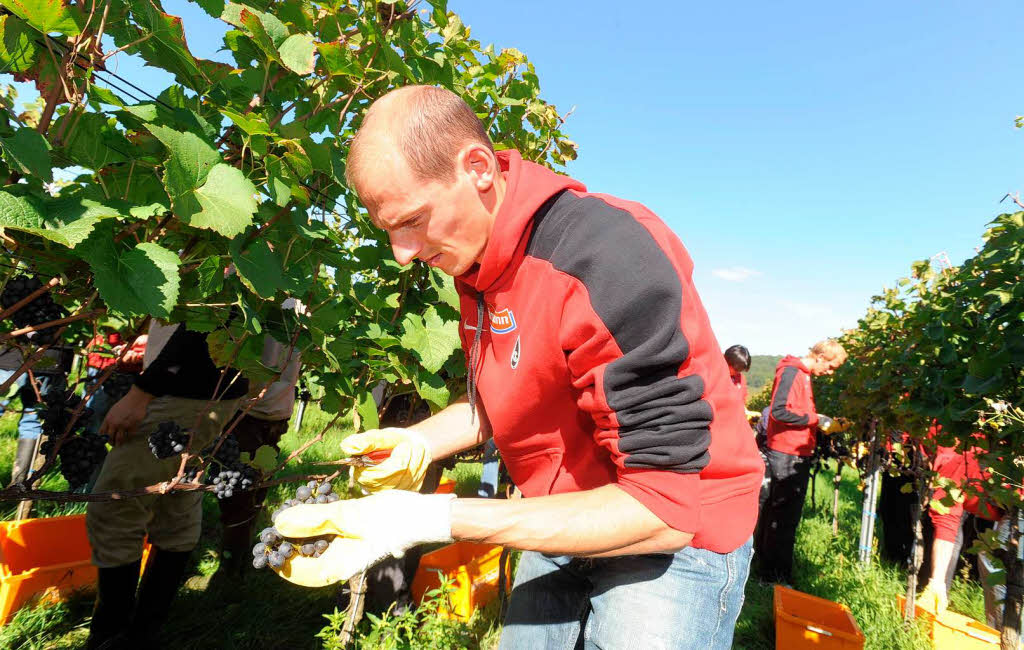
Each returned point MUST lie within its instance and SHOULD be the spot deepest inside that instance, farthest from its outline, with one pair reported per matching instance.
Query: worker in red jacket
(792, 425)
(592, 364)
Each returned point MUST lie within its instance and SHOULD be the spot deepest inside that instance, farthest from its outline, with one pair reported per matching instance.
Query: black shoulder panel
(664, 422)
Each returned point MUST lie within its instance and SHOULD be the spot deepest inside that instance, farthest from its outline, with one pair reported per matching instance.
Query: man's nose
(405, 248)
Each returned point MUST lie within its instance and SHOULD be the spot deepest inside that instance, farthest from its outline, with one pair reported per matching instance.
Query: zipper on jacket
(474, 355)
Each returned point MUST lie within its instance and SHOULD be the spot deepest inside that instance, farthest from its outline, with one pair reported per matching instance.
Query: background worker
(179, 384)
(624, 433)
(738, 358)
(791, 436)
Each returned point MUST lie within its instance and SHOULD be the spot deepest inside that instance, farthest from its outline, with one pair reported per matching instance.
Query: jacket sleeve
(781, 412)
(628, 357)
(161, 375)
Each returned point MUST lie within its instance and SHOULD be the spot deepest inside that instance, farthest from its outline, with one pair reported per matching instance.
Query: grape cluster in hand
(273, 550)
(167, 440)
(41, 310)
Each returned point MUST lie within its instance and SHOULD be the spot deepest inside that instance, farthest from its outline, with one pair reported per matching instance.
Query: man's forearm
(454, 429)
(605, 521)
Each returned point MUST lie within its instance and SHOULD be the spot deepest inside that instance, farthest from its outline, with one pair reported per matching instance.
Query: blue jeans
(4, 376)
(30, 427)
(100, 402)
(489, 473)
(687, 600)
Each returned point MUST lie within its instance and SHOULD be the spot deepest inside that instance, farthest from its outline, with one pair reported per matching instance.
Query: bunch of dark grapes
(80, 455)
(228, 479)
(273, 550)
(41, 310)
(168, 439)
(117, 385)
(59, 406)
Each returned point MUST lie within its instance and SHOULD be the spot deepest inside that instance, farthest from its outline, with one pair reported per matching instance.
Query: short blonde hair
(432, 125)
(830, 349)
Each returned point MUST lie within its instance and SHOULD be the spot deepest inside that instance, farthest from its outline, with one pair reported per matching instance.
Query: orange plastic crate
(473, 570)
(44, 559)
(446, 486)
(951, 631)
(806, 621)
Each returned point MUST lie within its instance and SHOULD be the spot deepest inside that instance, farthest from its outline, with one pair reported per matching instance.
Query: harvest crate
(44, 559)
(473, 570)
(951, 631)
(806, 621)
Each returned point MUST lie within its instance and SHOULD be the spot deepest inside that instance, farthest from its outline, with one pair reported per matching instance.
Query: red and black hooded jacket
(595, 362)
(793, 423)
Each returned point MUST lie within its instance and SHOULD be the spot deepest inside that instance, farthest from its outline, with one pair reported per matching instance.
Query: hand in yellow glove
(369, 530)
(933, 598)
(403, 470)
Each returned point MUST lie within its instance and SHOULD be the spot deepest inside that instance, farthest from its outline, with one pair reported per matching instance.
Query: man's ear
(480, 163)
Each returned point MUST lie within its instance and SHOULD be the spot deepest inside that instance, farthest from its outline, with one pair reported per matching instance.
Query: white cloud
(735, 273)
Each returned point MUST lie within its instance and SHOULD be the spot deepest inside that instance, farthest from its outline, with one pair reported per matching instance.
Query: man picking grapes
(591, 363)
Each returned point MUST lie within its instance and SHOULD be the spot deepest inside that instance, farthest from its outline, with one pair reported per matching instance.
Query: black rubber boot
(23, 457)
(115, 600)
(160, 583)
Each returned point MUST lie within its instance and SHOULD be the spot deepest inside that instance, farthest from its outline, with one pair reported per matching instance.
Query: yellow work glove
(933, 598)
(369, 530)
(403, 470)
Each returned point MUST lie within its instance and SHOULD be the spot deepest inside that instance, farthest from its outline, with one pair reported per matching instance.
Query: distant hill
(762, 371)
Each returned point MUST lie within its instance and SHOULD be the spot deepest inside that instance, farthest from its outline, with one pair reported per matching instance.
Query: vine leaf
(139, 281)
(258, 267)
(431, 339)
(17, 45)
(66, 221)
(47, 16)
(205, 192)
(29, 153)
(227, 201)
(297, 53)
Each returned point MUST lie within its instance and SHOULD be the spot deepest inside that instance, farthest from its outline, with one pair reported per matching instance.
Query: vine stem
(29, 298)
(48, 324)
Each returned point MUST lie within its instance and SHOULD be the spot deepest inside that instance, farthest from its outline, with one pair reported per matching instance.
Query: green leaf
(265, 458)
(213, 7)
(258, 267)
(432, 389)
(136, 282)
(67, 221)
(253, 23)
(252, 124)
(210, 276)
(907, 488)
(105, 96)
(28, 152)
(297, 53)
(190, 161)
(47, 16)
(367, 410)
(17, 45)
(338, 59)
(226, 200)
(429, 338)
(90, 140)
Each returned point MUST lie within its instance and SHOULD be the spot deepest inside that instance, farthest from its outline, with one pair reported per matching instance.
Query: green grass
(266, 612)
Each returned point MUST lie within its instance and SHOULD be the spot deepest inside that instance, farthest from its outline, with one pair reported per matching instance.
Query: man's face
(444, 224)
(825, 366)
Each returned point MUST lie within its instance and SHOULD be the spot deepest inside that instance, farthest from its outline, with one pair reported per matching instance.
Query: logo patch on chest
(503, 321)
(515, 355)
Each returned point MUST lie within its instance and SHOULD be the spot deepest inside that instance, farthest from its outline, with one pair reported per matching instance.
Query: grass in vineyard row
(270, 613)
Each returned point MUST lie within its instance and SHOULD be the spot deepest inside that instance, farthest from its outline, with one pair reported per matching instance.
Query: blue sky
(805, 153)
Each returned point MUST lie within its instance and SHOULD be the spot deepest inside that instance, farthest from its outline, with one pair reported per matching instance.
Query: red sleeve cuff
(672, 497)
(812, 419)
